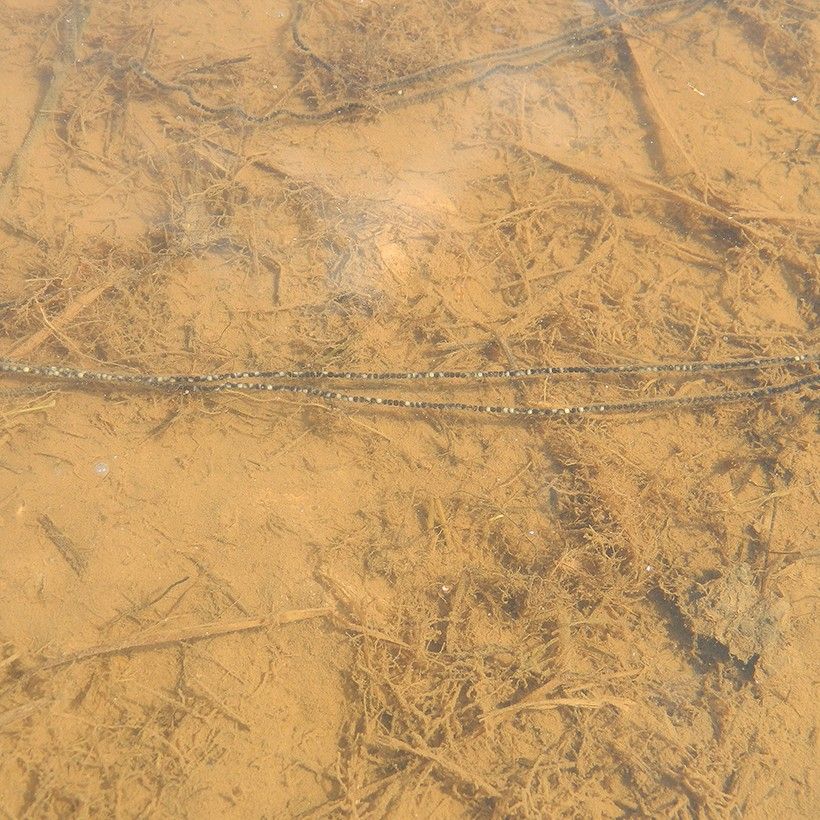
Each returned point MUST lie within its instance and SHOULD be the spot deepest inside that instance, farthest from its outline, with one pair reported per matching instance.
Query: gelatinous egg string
(292, 381)
(390, 93)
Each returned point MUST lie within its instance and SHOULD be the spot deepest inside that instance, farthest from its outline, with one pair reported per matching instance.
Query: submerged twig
(194, 633)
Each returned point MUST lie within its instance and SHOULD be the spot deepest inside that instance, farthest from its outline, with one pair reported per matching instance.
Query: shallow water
(275, 604)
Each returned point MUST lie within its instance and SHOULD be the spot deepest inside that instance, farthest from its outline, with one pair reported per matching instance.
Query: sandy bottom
(273, 606)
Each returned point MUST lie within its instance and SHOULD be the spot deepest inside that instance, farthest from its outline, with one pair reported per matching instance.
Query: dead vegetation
(600, 618)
